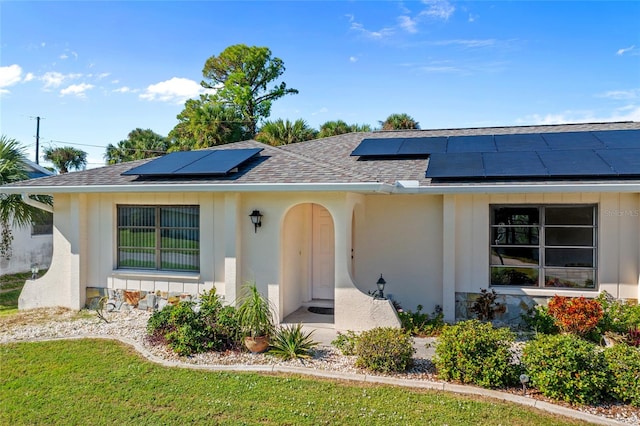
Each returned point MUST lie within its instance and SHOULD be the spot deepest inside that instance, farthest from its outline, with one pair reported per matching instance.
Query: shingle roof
(324, 160)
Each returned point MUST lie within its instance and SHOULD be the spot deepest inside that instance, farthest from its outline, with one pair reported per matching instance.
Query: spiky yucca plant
(290, 342)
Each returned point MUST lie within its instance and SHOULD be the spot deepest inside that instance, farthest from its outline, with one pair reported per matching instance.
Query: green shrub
(476, 352)
(566, 367)
(187, 331)
(290, 342)
(623, 365)
(385, 350)
(346, 342)
(421, 324)
(538, 319)
(618, 316)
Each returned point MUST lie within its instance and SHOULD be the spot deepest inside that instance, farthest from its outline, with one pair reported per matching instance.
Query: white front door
(322, 254)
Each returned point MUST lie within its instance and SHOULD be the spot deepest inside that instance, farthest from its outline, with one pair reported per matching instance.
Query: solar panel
(623, 161)
(520, 142)
(423, 146)
(619, 138)
(168, 163)
(455, 165)
(478, 143)
(378, 147)
(579, 162)
(195, 163)
(572, 140)
(514, 164)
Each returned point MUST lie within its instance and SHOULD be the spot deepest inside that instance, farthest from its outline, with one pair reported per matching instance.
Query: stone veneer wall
(124, 300)
(510, 315)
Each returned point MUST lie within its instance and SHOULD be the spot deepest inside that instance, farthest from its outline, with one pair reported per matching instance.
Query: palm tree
(204, 123)
(12, 208)
(339, 127)
(284, 132)
(399, 122)
(140, 144)
(65, 158)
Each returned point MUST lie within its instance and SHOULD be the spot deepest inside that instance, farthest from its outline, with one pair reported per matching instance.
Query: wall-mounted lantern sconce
(256, 219)
(381, 283)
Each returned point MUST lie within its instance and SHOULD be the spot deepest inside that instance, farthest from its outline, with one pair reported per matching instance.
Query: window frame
(158, 229)
(542, 246)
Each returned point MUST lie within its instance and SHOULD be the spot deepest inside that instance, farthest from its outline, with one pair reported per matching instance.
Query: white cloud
(176, 90)
(626, 113)
(55, 79)
(382, 33)
(64, 56)
(9, 76)
(28, 77)
(78, 90)
(103, 75)
(621, 94)
(353, 59)
(408, 24)
(472, 18)
(123, 89)
(322, 110)
(625, 50)
(465, 43)
(439, 9)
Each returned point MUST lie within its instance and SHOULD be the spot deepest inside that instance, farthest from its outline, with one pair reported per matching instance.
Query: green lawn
(104, 382)
(10, 288)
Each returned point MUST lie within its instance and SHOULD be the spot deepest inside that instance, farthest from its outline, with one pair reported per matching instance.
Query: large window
(159, 237)
(543, 246)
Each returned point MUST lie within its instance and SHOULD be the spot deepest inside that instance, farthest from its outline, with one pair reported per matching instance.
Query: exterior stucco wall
(400, 237)
(26, 251)
(618, 241)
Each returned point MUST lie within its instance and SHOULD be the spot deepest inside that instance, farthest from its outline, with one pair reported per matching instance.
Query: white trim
(156, 275)
(362, 187)
(242, 187)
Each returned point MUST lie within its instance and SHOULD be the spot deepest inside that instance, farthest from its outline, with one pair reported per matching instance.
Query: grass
(104, 382)
(10, 288)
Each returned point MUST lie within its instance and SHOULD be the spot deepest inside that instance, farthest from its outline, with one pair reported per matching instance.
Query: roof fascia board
(519, 188)
(256, 187)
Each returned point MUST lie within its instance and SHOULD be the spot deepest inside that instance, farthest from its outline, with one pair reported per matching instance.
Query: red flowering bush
(575, 315)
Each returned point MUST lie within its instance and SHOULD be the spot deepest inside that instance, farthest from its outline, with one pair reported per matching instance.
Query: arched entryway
(308, 257)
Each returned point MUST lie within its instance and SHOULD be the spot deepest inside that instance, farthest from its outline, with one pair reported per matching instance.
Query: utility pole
(37, 138)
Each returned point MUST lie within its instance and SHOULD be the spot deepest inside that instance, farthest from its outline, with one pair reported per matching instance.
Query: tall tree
(204, 123)
(65, 158)
(240, 76)
(399, 122)
(12, 208)
(140, 144)
(284, 132)
(339, 127)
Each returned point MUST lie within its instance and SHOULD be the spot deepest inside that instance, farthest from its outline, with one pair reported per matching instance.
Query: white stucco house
(529, 211)
(32, 246)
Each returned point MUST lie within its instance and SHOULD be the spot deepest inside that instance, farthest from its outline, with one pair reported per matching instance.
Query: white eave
(366, 187)
(401, 187)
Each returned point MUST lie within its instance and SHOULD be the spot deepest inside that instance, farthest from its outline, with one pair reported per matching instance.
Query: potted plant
(255, 318)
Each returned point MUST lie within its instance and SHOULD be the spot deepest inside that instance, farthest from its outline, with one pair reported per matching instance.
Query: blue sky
(97, 70)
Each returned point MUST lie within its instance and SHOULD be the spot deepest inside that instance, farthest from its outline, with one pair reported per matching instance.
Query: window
(42, 223)
(543, 246)
(159, 237)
